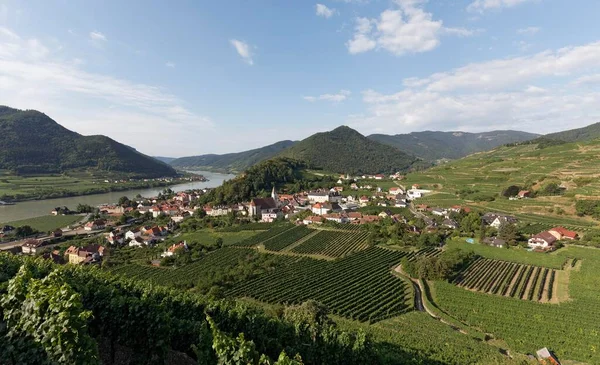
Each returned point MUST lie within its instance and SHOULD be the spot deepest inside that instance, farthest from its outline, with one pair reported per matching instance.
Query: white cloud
(336, 98)
(30, 78)
(483, 5)
(97, 36)
(500, 93)
(529, 30)
(170, 64)
(243, 49)
(324, 11)
(407, 29)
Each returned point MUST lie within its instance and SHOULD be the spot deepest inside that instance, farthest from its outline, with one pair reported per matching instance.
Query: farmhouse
(494, 241)
(503, 219)
(396, 190)
(31, 246)
(544, 240)
(171, 250)
(95, 225)
(439, 212)
(86, 255)
(524, 194)
(450, 223)
(562, 233)
(313, 220)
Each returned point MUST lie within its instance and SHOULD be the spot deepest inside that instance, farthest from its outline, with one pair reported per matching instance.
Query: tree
(25, 231)
(470, 223)
(219, 242)
(508, 232)
(511, 191)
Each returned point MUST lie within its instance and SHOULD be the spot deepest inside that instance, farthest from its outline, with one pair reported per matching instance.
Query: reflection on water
(36, 208)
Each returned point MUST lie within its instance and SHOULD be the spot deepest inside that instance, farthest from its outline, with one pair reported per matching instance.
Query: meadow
(47, 223)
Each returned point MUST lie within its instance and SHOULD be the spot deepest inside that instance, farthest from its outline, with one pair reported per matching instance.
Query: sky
(187, 77)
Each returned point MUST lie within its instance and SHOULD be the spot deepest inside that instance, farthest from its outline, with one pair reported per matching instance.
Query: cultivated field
(47, 223)
(572, 165)
(509, 279)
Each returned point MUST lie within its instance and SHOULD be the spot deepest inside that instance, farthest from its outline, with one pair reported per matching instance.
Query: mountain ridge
(232, 162)
(437, 145)
(344, 150)
(31, 142)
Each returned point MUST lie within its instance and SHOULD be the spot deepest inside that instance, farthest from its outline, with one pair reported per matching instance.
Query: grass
(514, 254)
(47, 223)
(491, 172)
(570, 329)
(19, 188)
(209, 237)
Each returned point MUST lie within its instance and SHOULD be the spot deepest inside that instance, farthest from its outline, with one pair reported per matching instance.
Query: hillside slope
(479, 179)
(32, 143)
(590, 132)
(231, 162)
(433, 145)
(344, 150)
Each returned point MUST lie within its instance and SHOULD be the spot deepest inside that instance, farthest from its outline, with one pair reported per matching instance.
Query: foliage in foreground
(151, 322)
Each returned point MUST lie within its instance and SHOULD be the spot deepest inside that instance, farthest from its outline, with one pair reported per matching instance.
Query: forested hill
(344, 150)
(433, 145)
(588, 133)
(31, 142)
(231, 162)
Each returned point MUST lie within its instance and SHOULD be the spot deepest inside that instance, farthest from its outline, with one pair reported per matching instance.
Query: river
(36, 208)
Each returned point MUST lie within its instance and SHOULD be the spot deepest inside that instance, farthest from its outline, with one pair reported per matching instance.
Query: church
(268, 209)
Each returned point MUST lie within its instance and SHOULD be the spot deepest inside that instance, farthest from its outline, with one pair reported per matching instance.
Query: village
(364, 200)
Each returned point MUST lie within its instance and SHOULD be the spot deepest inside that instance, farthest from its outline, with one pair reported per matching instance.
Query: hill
(576, 135)
(479, 179)
(231, 162)
(433, 145)
(33, 143)
(344, 150)
(164, 159)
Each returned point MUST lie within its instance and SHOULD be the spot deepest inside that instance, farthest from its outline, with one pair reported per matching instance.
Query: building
(132, 234)
(543, 240)
(318, 196)
(396, 190)
(503, 219)
(313, 220)
(524, 194)
(95, 225)
(32, 246)
(87, 254)
(439, 212)
(269, 216)
(494, 241)
(562, 233)
(259, 206)
(174, 247)
(450, 223)
(547, 357)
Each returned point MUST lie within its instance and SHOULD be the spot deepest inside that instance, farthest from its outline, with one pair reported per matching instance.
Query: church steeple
(274, 195)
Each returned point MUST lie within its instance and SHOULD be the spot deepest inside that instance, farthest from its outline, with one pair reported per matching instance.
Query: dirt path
(300, 241)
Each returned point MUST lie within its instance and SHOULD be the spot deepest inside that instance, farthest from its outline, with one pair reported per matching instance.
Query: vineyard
(333, 243)
(264, 236)
(509, 279)
(359, 286)
(185, 276)
(289, 236)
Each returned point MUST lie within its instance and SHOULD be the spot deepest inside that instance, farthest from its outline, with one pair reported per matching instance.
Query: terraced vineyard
(509, 279)
(359, 286)
(333, 243)
(186, 275)
(285, 239)
(264, 236)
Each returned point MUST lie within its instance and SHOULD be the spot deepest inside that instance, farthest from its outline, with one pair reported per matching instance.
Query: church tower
(275, 196)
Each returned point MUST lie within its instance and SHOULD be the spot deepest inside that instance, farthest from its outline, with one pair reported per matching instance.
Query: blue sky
(192, 77)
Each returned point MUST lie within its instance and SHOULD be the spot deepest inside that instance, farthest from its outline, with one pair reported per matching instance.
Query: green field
(572, 165)
(18, 188)
(209, 237)
(570, 329)
(47, 223)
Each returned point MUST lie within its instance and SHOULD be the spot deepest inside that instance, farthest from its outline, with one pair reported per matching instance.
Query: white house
(396, 190)
(269, 216)
(503, 219)
(137, 242)
(544, 240)
(95, 225)
(320, 208)
(31, 246)
(318, 196)
(439, 212)
(132, 234)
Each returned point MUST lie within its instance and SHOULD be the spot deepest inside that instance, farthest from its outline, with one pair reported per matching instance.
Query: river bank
(36, 208)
